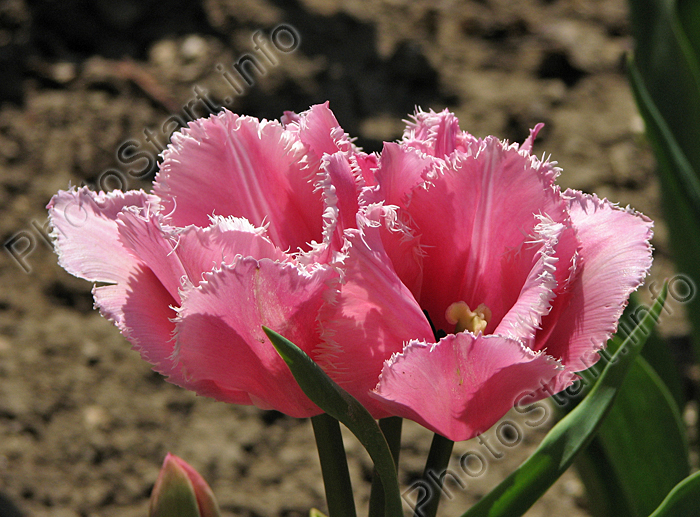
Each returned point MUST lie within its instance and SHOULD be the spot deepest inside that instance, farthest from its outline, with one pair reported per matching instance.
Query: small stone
(194, 47)
(64, 72)
(95, 417)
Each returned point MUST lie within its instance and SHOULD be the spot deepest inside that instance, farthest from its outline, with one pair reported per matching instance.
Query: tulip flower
(479, 283)
(181, 492)
(239, 232)
(443, 280)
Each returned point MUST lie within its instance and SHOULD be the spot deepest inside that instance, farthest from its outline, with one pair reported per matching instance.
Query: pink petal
(530, 141)
(85, 232)
(462, 385)
(201, 250)
(345, 189)
(179, 255)
(142, 235)
(524, 318)
(337, 183)
(568, 262)
(475, 218)
(433, 133)
(318, 129)
(369, 319)
(88, 243)
(401, 170)
(221, 346)
(366, 165)
(230, 165)
(290, 117)
(402, 245)
(142, 310)
(616, 256)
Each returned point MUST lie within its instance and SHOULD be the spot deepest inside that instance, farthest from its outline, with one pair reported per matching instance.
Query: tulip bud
(181, 492)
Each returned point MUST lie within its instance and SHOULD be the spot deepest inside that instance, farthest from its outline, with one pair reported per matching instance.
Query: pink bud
(181, 492)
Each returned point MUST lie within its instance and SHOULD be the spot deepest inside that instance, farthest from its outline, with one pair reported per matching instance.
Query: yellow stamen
(460, 315)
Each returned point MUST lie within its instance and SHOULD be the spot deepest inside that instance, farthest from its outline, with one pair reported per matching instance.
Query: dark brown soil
(84, 423)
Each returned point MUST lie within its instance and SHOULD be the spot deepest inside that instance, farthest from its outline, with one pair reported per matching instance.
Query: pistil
(460, 315)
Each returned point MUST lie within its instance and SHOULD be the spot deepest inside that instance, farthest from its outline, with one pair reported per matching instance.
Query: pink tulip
(523, 283)
(442, 280)
(180, 490)
(245, 218)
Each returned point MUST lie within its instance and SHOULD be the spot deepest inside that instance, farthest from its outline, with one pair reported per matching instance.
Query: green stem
(334, 466)
(391, 427)
(434, 475)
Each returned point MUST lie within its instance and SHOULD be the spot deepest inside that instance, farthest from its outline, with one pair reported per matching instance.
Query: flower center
(460, 315)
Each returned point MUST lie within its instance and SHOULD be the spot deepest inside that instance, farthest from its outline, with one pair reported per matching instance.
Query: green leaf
(339, 404)
(602, 485)
(644, 437)
(681, 193)
(656, 352)
(674, 163)
(683, 500)
(519, 491)
(666, 63)
(640, 450)
(665, 78)
(689, 18)
(616, 469)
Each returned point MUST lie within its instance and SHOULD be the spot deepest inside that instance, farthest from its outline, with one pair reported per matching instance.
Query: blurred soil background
(84, 423)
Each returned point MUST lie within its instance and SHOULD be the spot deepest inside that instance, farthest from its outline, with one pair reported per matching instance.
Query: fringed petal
(202, 250)
(475, 220)
(524, 319)
(433, 133)
(142, 235)
(401, 170)
(142, 309)
(370, 317)
(462, 385)
(221, 346)
(615, 256)
(85, 232)
(319, 130)
(238, 166)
